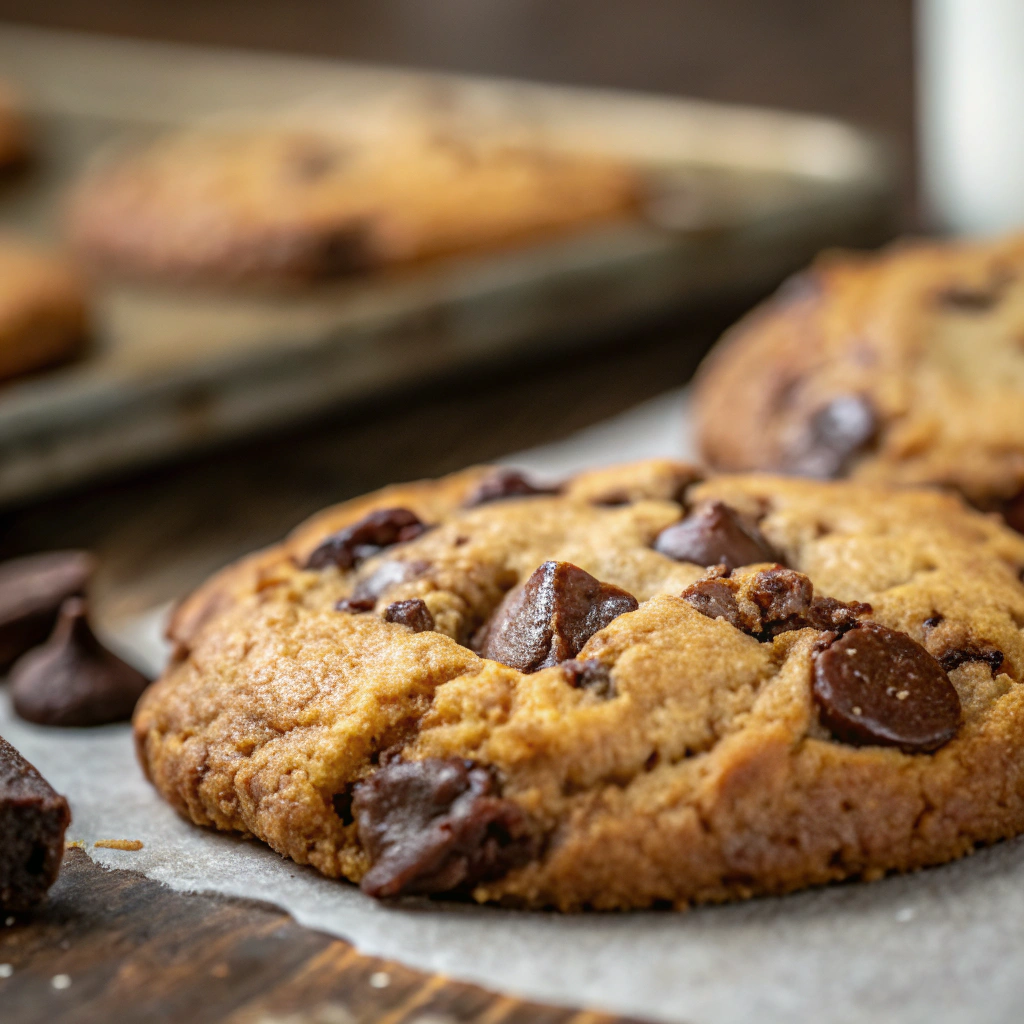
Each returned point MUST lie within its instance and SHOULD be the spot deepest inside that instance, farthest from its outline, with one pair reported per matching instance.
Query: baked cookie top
(641, 689)
(905, 367)
(43, 313)
(304, 205)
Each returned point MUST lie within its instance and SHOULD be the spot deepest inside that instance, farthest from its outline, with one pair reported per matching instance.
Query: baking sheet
(937, 947)
(745, 197)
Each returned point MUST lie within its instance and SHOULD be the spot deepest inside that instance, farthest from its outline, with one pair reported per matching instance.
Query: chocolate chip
(33, 819)
(355, 605)
(781, 594)
(506, 483)
(875, 685)
(835, 434)
(72, 679)
(412, 613)
(590, 674)
(714, 535)
(390, 573)
(31, 592)
(1013, 512)
(439, 825)
(972, 652)
(551, 616)
(934, 620)
(837, 616)
(342, 804)
(716, 599)
(973, 298)
(364, 539)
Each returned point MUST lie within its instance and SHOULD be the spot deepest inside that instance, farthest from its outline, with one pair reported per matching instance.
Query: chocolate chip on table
(33, 819)
(958, 656)
(590, 674)
(365, 538)
(715, 534)
(439, 825)
(875, 685)
(73, 680)
(551, 616)
(506, 483)
(412, 613)
(835, 434)
(31, 592)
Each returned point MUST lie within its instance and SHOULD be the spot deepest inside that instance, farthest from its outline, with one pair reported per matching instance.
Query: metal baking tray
(744, 196)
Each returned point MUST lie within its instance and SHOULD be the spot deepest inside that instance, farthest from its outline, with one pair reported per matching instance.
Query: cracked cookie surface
(904, 367)
(678, 733)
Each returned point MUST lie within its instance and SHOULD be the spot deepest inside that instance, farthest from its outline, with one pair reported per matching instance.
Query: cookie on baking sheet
(43, 316)
(298, 205)
(640, 689)
(905, 367)
(14, 136)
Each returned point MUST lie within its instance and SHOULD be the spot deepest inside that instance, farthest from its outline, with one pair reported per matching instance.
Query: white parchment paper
(941, 946)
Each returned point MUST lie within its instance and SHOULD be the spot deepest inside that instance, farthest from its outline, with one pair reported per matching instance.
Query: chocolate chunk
(1013, 512)
(974, 298)
(781, 594)
(364, 539)
(714, 535)
(355, 605)
(551, 616)
(958, 656)
(31, 592)
(506, 483)
(835, 434)
(412, 613)
(838, 616)
(439, 825)
(590, 674)
(73, 680)
(716, 599)
(33, 819)
(875, 685)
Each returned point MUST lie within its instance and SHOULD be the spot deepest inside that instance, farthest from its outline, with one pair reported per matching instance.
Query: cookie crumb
(60, 981)
(118, 844)
(74, 844)
(380, 979)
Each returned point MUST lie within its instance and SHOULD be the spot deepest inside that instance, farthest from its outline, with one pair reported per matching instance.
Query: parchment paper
(940, 946)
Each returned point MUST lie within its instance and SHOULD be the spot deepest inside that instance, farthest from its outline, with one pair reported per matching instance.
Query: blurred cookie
(906, 367)
(43, 314)
(14, 139)
(298, 205)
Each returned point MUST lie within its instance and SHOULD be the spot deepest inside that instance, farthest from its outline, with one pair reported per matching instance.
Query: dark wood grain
(135, 951)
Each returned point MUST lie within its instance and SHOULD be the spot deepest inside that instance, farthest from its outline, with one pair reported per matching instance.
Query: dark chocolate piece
(590, 674)
(506, 483)
(355, 605)
(835, 435)
(412, 613)
(73, 680)
(365, 538)
(716, 599)
(439, 825)
(958, 656)
(875, 685)
(714, 535)
(31, 592)
(551, 616)
(33, 819)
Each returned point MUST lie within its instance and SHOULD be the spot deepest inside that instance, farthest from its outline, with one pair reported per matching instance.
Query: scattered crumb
(380, 979)
(74, 844)
(61, 981)
(119, 844)
(6, 970)
(9, 921)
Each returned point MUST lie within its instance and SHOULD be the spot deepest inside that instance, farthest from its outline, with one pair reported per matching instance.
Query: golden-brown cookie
(550, 699)
(43, 315)
(298, 205)
(906, 367)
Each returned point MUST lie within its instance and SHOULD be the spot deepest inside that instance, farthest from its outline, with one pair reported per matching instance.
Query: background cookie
(549, 699)
(43, 317)
(906, 367)
(301, 205)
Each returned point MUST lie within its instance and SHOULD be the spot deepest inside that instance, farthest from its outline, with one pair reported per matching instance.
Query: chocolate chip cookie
(300, 205)
(636, 688)
(905, 367)
(43, 315)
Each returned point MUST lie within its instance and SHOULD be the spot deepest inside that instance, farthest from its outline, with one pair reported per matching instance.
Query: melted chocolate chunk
(364, 539)
(592, 675)
(439, 825)
(33, 819)
(835, 434)
(72, 680)
(717, 600)
(952, 659)
(781, 594)
(32, 590)
(506, 483)
(714, 535)
(412, 613)
(1013, 512)
(551, 616)
(875, 685)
